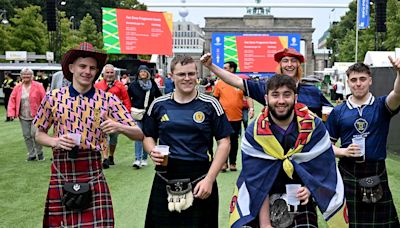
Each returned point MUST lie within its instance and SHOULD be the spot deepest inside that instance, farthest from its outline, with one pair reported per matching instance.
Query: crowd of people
(287, 143)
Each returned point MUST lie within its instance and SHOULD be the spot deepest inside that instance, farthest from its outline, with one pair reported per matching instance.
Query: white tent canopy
(378, 58)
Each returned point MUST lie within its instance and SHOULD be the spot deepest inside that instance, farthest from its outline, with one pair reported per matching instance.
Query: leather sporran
(371, 189)
(77, 196)
(137, 114)
(279, 212)
(180, 195)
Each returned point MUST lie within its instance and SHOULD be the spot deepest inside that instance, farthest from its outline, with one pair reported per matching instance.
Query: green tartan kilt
(380, 214)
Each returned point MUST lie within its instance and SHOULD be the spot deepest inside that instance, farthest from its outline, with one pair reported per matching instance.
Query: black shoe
(224, 168)
(111, 160)
(41, 157)
(106, 164)
(31, 159)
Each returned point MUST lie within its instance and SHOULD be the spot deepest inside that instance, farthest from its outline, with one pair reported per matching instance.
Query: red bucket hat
(84, 50)
(288, 52)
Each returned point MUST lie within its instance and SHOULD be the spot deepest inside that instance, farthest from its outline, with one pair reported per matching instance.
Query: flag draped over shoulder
(312, 158)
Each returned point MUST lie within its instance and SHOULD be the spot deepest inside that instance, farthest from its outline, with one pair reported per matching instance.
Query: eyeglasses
(189, 74)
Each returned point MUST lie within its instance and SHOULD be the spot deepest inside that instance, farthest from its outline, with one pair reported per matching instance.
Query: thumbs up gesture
(395, 62)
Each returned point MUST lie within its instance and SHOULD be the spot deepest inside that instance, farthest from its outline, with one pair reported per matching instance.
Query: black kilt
(380, 214)
(203, 213)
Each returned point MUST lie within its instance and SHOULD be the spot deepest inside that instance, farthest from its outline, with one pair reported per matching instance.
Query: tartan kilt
(86, 168)
(203, 213)
(380, 214)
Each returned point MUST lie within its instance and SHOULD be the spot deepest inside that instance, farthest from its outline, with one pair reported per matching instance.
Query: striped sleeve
(214, 102)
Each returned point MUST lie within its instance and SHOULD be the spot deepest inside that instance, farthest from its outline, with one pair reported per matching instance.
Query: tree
(88, 32)
(342, 35)
(28, 31)
(132, 4)
(69, 34)
(392, 23)
(79, 9)
(340, 31)
(12, 5)
(4, 39)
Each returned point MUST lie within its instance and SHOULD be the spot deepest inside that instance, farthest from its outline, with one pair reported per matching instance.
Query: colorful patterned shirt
(71, 112)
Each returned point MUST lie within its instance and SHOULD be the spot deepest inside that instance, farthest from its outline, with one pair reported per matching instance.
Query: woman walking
(142, 92)
(24, 103)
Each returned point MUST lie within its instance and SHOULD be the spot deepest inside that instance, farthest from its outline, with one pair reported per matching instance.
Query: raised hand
(206, 59)
(395, 62)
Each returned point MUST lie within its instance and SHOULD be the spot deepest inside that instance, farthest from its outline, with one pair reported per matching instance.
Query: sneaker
(106, 164)
(136, 164)
(224, 167)
(41, 157)
(111, 160)
(31, 159)
(143, 162)
(232, 167)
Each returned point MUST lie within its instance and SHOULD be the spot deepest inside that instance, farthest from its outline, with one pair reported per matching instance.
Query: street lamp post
(61, 3)
(71, 19)
(3, 15)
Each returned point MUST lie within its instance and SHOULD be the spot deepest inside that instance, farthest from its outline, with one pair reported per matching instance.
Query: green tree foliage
(12, 5)
(88, 32)
(132, 4)
(393, 25)
(28, 31)
(69, 34)
(342, 35)
(341, 31)
(79, 9)
(4, 39)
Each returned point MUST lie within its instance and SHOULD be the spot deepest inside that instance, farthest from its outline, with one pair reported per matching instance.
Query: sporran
(371, 189)
(180, 195)
(77, 196)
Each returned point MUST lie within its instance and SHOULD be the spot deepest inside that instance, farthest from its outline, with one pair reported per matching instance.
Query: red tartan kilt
(86, 168)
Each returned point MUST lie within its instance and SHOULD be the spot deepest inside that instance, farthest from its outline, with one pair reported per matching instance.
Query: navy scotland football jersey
(188, 129)
(307, 94)
(370, 121)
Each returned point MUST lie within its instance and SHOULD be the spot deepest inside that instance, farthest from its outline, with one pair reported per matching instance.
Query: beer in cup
(163, 150)
(326, 110)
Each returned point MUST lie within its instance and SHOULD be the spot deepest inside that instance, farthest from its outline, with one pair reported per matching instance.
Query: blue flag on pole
(363, 14)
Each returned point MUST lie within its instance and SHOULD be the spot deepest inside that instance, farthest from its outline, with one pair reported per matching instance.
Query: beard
(285, 116)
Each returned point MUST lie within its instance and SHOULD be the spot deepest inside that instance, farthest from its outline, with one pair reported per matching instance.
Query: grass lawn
(24, 184)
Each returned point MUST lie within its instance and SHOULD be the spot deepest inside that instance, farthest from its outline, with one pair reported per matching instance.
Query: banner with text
(363, 14)
(137, 32)
(254, 53)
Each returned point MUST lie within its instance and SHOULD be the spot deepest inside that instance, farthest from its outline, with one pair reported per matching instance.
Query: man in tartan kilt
(81, 116)
(362, 125)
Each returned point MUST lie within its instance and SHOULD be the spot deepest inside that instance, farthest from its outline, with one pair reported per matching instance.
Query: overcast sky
(322, 17)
